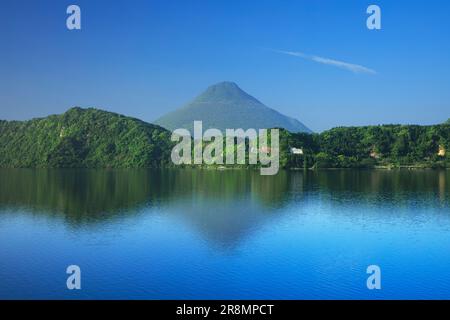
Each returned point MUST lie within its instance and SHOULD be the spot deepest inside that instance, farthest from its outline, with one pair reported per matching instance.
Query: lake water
(193, 234)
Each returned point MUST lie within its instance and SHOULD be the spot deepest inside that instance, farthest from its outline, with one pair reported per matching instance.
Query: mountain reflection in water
(253, 236)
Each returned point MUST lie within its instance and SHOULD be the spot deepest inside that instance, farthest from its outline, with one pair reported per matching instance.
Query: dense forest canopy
(91, 138)
(387, 145)
(83, 138)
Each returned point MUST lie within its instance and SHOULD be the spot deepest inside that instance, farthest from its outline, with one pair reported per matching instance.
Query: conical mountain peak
(222, 92)
(226, 106)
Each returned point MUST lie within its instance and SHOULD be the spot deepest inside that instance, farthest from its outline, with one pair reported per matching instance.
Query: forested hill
(83, 138)
(91, 138)
(371, 146)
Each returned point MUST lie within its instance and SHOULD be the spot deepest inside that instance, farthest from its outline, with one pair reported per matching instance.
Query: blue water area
(233, 234)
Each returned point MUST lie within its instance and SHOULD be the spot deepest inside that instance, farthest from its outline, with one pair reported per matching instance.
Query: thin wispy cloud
(355, 68)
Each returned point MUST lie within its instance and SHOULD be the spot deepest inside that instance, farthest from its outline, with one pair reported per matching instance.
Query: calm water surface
(185, 234)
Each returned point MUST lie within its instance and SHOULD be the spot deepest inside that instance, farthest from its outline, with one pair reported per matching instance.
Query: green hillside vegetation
(372, 146)
(86, 138)
(91, 138)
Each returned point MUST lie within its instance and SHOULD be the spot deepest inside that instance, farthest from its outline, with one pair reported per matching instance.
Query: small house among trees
(374, 154)
(297, 151)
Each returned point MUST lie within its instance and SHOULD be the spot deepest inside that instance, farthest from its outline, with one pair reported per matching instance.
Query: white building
(297, 151)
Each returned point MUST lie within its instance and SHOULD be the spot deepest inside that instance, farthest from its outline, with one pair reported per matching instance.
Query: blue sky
(145, 58)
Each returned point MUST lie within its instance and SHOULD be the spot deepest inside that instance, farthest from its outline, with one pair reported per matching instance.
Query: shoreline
(383, 168)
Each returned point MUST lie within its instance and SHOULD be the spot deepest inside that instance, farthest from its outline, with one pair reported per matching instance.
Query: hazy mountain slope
(224, 106)
(83, 138)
